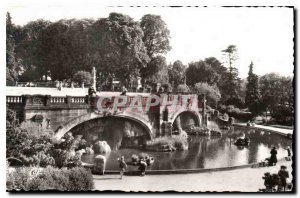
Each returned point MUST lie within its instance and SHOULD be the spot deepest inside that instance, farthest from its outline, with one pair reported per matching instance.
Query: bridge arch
(195, 115)
(66, 127)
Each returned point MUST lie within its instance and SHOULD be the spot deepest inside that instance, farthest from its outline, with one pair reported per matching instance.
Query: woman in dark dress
(273, 158)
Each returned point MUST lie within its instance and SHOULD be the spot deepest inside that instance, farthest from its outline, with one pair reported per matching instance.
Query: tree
(176, 73)
(231, 81)
(156, 35)
(212, 93)
(201, 72)
(64, 48)
(83, 77)
(252, 99)
(156, 40)
(14, 66)
(118, 49)
(157, 71)
(277, 94)
(27, 49)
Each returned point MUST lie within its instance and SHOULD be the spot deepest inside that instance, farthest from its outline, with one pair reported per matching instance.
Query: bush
(235, 112)
(75, 179)
(183, 88)
(83, 77)
(283, 115)
(236, 102)
(176, 141)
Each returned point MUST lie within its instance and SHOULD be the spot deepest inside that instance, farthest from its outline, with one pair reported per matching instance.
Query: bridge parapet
(63, 111)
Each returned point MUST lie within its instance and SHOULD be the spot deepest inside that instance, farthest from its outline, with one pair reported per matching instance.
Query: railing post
(47, 100)
(68, 99)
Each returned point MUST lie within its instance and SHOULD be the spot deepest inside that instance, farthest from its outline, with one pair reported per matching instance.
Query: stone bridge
(61, 112)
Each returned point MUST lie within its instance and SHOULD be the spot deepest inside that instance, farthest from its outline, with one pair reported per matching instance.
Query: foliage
(64, 48)
(27, 49)
(201, 72)
(235, 101)
(117, 46)
(156, 35)
(156, 71)
(252, 91)
(283, 115)
(176, 141)
(29, 178)
(14, 67)
(82, 77)
(176, 73)
(277, 93)
(212, 93)
(231, 82)
(235, 112)
(183, 88)
(35, 145)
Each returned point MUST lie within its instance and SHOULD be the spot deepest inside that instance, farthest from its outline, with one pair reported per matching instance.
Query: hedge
(50, 178)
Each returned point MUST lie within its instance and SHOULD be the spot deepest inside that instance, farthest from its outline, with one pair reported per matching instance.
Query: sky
(262, 35)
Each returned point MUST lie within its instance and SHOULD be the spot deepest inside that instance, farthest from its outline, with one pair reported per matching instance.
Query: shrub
(75, 179)
(134, 158)
(83, 77)
(183, 88)
(176, 141)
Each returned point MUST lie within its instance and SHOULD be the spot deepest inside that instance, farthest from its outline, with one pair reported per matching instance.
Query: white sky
(262, 35)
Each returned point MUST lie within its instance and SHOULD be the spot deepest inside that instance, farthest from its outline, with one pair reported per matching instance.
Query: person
(268, 181)
(91, 91)
(122, 166)
(124, 91)
(273, 158)
(288, 158)
(142, 167)
(283, 175)
(248, 123)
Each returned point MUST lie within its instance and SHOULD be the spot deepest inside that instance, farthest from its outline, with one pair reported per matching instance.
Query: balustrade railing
(78, 100)
(58, 100)
(13, 99)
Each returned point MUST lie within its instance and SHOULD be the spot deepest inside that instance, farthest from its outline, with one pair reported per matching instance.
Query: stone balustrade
(13, 99)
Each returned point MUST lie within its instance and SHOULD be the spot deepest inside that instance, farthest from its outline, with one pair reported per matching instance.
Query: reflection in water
(207, 152)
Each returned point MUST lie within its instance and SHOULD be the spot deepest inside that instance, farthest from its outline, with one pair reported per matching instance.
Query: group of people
(123, 166)
(279, 180)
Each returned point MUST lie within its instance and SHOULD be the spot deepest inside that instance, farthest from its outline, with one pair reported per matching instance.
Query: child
(122, 166)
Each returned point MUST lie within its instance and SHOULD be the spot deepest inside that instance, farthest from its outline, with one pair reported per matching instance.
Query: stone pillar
(82, 85)
(47, 100)
(100, 163)
(68, 99)
(94, 78)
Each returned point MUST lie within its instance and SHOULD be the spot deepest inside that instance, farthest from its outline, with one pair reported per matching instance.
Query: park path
(245, 180)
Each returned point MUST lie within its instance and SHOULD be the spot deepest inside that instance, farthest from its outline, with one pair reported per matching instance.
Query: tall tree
(252, 91)
(118, 49)
(156, 40)
(231, 81)
(156, 35)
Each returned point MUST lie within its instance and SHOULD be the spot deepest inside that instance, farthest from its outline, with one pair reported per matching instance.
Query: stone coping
(182, 171)
(263, 129)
